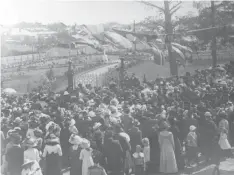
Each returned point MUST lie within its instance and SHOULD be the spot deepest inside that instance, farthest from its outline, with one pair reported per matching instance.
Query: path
(102, 69)
(96, 71)
(226, 168)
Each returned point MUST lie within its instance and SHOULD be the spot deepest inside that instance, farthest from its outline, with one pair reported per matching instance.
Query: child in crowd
(86, 156)
(146, 151)
(192, 149)
(139, 162)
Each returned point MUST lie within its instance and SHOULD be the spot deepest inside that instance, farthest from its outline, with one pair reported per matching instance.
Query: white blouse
(52, 149)
(32, 154)
(30, 133)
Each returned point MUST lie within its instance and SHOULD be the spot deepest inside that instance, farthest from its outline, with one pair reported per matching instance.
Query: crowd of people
(140, 128)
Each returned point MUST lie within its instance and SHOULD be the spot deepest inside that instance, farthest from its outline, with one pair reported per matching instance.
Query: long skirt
(53, 164)
(139, 170)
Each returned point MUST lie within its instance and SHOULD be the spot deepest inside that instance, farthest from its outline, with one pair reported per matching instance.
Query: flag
(158, 54)
(119, 40)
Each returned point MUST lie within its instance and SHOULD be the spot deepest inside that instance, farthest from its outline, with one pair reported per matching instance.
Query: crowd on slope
(154, 126)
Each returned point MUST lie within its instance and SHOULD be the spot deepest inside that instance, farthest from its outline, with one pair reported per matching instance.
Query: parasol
(9, 91)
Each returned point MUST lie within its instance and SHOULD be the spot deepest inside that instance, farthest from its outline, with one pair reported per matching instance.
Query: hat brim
(27, 163)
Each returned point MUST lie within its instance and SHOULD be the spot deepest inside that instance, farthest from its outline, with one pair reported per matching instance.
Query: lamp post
(70, 76)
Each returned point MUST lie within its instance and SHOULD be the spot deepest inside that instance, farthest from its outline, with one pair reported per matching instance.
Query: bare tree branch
(175, 6)
(152, 5)
(175, 10)
(170, 1)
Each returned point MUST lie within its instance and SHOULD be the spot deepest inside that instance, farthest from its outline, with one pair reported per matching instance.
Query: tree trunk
(169, 30)
(121, 72)
(213, 46)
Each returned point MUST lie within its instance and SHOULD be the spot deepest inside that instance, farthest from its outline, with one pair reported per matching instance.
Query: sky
(79, 12)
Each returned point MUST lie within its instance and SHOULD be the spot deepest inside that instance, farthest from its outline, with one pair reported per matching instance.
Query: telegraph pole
(169, 37)
(213, 44)
(134, 30)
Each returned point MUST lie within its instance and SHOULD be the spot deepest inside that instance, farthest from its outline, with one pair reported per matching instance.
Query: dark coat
(135, 138)
(113, 153)
(154, 151)
(15, 159)
(146, 127)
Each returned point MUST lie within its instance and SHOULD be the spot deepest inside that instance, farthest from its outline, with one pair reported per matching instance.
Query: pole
(213, 44)
(70, 76)
(134, 30)
(169, 30)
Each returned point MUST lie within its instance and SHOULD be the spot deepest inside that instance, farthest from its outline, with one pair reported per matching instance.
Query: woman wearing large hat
(31, 152)
(52, 155)
(76, 163)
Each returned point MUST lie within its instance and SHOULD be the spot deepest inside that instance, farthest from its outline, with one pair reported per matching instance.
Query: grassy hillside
(152, 70)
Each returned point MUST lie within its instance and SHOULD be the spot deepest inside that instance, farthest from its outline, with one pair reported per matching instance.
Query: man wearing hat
(15, 155)
(75, 150)
(113, 153)
(207, 133)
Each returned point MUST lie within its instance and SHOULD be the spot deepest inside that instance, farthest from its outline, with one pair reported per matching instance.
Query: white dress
(223, 141)
(168, 162)
(32, 154)
(87, 160)
(34, 169)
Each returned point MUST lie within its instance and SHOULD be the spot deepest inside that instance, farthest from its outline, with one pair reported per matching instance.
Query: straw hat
(28, 162)
(17, 120)
(85, 143)
(75, 140)
(208, 114)
(91, 114)
(192, 128)
(30, 142)
(65, 93)
(72, 122)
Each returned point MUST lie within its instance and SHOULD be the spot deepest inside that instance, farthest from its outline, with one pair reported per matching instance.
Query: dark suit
(135, 137)
(113, 152)
(146, 127)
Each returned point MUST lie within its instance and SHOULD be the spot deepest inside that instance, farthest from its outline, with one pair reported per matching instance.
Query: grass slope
(152, 70)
